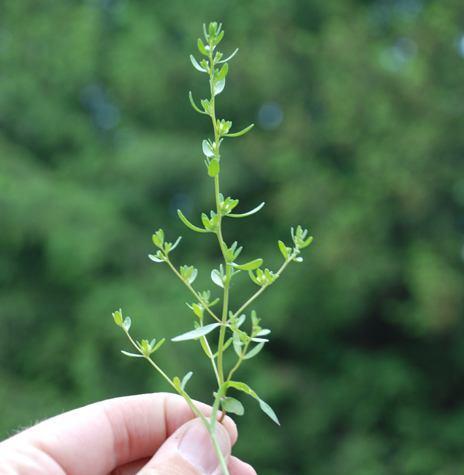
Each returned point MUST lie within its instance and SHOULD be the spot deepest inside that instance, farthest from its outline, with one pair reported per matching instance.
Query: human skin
(147, 434)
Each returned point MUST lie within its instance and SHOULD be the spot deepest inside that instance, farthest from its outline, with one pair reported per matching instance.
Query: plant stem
(239, 362)
(213, 363)
(222, 244)
(210, 425)
(263, 288)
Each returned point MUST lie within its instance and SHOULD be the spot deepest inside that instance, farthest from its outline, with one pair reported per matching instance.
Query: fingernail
(196, 446)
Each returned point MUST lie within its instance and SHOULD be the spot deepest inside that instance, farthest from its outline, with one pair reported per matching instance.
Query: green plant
(229, 325)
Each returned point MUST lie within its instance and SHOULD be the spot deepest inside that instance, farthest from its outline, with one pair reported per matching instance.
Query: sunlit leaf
(132, 355)
(196, 65)
(248, 213)
(197, 333)
(217, 278)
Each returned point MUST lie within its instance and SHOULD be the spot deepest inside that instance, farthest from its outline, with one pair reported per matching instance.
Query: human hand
(149, 434)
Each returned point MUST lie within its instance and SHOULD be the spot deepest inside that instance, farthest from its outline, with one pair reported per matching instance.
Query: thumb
(189, 451)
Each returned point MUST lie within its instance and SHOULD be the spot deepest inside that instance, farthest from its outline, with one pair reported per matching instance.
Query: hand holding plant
(226, 330)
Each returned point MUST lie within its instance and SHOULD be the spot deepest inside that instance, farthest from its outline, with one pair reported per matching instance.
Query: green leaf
(158, 238)
(197, 309)
(117, 317)
(241, 132)
(213, 167)
(237, 344)
(248, 213)
(254, 351)
(232, 405)
(307, 242)
(229, 57)
(252, 265)
(188, 273)
(206, 106)
(189, 224)
(205, 347)
(207, 149)
(196, 65)
(267, 409)
(194, 105)
(126, 324)
(217, 278)
(132, 355)
(284, 250)
(253, 278)
(219, 86)
(219, 38)
(197, 333)
(159, 345)
(222, 73)
(186, 379)
(242, 387)
(202, 48)
(155, 258)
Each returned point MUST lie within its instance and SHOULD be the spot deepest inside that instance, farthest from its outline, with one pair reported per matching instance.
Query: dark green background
(359, 107)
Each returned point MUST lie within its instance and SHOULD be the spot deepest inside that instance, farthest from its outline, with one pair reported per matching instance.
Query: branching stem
(194, 292)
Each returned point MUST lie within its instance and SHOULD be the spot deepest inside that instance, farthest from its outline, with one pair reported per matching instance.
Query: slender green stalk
(263, 288)
(194, 292)
(210, 425)
(231, 326)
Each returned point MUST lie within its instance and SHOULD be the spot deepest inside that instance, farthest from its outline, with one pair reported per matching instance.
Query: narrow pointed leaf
(241, 132)
(284, 249)
(194, 105)
(196, 65)
(252, 265)
(267, 409)
(197, 333)
(248, 213)
(159, 344)
(254, 351)
(186, 379)
(202, 47)
(229, 57)
(154, 258)
(132, 355)
(222, 72)
(176, 243)
(205, 347)
(307, 242)
(242, 387)
(189, 224)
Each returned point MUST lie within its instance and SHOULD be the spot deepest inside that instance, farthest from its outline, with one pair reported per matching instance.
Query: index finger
(102, 436)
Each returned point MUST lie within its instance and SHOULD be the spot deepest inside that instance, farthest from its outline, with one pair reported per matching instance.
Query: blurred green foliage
(360, 117)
